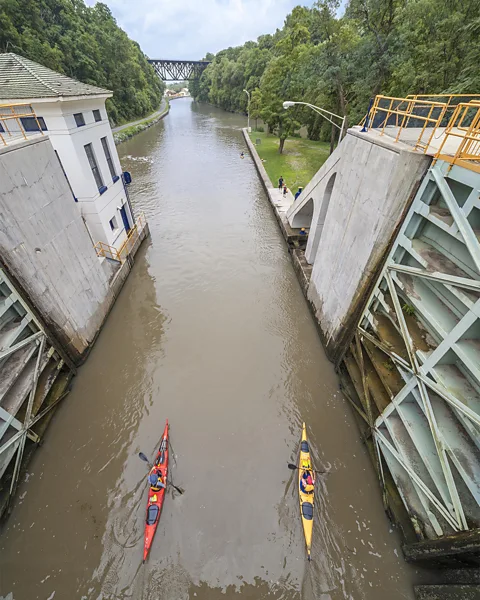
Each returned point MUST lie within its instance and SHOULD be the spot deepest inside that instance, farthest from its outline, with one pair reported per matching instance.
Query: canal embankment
(296, 237)
(128, 130)
(279, 202)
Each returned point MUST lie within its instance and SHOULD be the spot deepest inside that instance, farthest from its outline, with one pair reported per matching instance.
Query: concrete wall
(310, 208)
(373, 181)
(45, 245)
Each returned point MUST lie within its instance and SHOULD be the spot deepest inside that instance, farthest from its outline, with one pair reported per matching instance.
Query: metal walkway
(34, 377)
(415, 359)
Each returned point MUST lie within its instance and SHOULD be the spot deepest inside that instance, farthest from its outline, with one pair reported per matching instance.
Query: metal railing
(451, 100)
(402, 113)
(11, 126)
(103, 250)
(430, 120)
(465, 125)
(106, 251)
(132, 237)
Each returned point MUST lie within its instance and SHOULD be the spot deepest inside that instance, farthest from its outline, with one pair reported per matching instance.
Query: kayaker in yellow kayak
(307, 483)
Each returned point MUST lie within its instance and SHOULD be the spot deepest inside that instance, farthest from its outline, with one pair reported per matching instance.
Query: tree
(274, 90)
(85, 43)
(255, 105)
(395, 47)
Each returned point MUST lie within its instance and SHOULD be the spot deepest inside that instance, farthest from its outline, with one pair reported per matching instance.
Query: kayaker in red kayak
(155, 480)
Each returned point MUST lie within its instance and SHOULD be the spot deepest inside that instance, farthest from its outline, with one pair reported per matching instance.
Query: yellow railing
(465, 125)
(400, 112)
(427, 119)
(104, 250)
(132, 237)
(12, 127)
(451, 100)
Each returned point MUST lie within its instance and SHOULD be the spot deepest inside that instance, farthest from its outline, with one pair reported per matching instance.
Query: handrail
(468, 150)
(401, 111)
(104, 250)
(451, 98)
(12, 112)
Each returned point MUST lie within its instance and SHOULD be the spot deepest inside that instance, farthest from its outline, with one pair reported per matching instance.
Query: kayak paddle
(145, 459)
(293, 467)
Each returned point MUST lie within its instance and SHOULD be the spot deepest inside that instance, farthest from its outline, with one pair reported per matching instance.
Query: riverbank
(127, 131)
(298, 163)
(279, 202)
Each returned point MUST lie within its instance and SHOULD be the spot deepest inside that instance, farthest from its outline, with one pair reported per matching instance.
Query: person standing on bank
(285, 190)
(280, 183)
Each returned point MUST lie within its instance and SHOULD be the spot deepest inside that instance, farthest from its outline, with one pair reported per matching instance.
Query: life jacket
(160, 478)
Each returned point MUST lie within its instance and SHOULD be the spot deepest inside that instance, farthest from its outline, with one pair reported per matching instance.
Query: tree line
(84, 43)
(391, 47)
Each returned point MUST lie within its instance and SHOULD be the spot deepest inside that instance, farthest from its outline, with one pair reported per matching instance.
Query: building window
(79, 120)
(108, 156)
(113, 223)
(97, 116)
(93, 165)
(30, 123)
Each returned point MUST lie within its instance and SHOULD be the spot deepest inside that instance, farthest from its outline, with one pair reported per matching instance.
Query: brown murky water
(211, 330)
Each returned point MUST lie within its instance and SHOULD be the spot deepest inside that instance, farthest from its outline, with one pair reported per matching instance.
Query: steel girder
(179, 70)
(30, 364)
(415, 359)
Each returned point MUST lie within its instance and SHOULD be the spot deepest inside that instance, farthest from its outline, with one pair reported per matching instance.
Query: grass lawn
(300, 160)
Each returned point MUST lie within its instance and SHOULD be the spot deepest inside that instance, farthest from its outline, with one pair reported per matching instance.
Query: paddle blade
(292, 467)
(143, 457)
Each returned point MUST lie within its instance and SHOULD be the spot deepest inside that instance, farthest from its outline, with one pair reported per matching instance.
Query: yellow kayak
(306, 489)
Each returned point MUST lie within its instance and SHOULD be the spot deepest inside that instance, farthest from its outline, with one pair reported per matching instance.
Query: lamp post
(248, 110)
(326, 114)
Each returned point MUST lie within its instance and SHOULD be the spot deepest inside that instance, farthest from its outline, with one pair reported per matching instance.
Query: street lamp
(326, 114)
(248, 110)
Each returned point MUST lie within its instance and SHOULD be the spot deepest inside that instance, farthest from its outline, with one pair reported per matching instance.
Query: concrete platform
(409, 137)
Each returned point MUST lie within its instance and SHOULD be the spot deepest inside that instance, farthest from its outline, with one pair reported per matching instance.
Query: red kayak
(156, 496)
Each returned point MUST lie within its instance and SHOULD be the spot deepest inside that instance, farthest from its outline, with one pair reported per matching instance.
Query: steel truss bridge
(179, 70)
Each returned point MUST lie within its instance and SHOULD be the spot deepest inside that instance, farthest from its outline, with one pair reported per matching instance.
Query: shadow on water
(211, 330)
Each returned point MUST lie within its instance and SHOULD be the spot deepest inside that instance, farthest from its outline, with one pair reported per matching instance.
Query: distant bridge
(179, 70)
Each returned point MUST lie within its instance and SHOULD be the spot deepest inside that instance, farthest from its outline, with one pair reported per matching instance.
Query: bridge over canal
(178, 70)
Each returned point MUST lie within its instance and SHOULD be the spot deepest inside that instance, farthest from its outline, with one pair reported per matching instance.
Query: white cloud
(188, 29)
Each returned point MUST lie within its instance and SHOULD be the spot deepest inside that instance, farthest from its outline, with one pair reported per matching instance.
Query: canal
(211, 330)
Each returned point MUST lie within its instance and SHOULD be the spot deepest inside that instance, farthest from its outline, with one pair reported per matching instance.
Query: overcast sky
(188, 29)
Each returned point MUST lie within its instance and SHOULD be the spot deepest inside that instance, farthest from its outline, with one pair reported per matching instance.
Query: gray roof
(21, 78)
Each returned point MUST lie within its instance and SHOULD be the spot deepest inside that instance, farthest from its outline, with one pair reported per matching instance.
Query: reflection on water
(211, 330)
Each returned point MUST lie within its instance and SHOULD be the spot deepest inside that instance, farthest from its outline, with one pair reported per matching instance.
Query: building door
(123, 212)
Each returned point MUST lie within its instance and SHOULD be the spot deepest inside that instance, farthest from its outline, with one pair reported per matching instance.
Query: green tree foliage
(177, 87)
(394, 47)
(85, 43)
